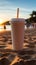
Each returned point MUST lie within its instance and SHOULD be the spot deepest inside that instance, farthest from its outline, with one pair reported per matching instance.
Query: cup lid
(18, 19)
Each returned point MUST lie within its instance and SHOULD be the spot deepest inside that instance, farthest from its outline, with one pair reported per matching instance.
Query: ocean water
(8, 27)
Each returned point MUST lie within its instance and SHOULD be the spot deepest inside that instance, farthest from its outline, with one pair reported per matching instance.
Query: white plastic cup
(17, 33)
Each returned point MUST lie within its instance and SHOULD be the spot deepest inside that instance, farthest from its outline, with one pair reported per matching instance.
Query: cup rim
(18, 19)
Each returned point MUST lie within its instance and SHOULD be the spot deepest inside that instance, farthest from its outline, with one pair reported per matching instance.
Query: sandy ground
(29, 48)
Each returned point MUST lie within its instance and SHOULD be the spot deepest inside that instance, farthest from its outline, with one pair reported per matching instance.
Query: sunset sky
(8, 8)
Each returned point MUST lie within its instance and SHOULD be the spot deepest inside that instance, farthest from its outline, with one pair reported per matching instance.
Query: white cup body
(17, 33)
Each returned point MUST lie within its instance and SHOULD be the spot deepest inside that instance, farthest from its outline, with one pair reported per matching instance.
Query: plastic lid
(17, 19)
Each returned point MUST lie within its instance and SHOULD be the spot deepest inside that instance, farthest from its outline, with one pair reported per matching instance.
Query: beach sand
(25, 57)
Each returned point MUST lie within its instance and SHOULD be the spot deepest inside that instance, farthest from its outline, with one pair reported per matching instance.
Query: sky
(8, 8)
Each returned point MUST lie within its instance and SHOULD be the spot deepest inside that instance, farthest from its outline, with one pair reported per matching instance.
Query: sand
(25, 57)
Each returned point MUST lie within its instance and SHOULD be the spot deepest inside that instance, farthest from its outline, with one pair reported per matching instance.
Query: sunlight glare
(1, 21)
